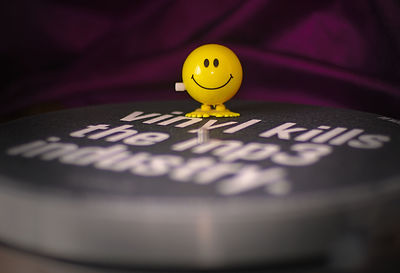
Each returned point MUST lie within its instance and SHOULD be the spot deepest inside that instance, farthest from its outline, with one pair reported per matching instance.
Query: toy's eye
(216, 62)
(206, 62)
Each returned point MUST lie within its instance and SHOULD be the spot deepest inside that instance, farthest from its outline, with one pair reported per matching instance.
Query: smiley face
(212, 74)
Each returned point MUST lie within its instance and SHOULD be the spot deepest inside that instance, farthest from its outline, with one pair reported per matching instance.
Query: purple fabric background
(74, 53)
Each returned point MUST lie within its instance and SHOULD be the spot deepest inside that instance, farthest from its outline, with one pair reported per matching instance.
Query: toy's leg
(205, 107)
(222, 111)
(203, 112)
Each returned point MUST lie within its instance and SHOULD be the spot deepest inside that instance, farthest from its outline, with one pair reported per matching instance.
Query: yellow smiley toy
(211, 74)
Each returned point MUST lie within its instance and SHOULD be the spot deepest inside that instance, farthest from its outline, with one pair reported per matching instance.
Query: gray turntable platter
(140, 183)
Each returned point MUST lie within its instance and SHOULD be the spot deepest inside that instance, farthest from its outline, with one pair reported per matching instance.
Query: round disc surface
(140, 183)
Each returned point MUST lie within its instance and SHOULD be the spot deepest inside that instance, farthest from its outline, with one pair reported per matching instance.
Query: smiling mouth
(213, 88)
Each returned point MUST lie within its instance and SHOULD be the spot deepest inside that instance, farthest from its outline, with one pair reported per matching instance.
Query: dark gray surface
(88, 214)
